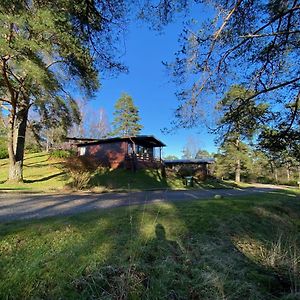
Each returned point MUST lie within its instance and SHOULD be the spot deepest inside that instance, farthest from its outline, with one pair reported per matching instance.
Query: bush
(3, 153)
(290, 182)
(267, 180)
(200, 174)
(80, 169)
(3, 148)
(186, 171)
(33, 148)
(62, 153)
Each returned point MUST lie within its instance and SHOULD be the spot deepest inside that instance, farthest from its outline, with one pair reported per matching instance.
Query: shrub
(200, 174)
(62, 153)
(186, 171)
(33, 148)
(3, 148)
(290, 182)
(264, 179)
(80, 179)
(3, 153)
(80, 169)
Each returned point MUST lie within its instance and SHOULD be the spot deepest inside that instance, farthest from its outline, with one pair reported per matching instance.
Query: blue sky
(150, 87)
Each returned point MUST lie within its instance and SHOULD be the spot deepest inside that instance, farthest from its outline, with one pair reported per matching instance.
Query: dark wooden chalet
(201, 164)
(128, 152)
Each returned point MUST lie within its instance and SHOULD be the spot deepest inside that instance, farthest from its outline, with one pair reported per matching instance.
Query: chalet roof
(142, 140)
(206, 160)
(79, 139)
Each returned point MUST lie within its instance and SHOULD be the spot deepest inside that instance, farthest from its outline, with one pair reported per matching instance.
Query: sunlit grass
(41, 173)
(215, 249)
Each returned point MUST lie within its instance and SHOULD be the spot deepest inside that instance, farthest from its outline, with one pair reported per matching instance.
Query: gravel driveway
(27, 206)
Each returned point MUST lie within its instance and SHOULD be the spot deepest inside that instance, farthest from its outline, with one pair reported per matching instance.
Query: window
(82, 151)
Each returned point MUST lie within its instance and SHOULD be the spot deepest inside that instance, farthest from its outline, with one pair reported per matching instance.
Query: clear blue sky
(151, 87)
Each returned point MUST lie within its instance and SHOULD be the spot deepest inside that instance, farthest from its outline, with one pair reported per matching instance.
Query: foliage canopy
(46, 47)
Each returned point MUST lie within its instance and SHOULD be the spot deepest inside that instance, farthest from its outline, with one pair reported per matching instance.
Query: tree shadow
(212, 240)
(214, 183)
(41, 165)
(26, 158)
(44, 178)
(122, 179)
(106, 254)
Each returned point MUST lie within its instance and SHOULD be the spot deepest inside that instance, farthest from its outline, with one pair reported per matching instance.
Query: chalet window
(82, 151)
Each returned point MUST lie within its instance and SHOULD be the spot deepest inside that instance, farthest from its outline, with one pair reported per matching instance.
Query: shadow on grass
(41, 163)
(15, 188)
(127, 180)
(44, 178)
(36, 155)
(187, 250)
(167, 251)
(144, 179)
(214, 183)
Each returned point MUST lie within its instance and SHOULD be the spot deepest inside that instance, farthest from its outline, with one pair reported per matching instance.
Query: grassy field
(233, 248)
(43, 173)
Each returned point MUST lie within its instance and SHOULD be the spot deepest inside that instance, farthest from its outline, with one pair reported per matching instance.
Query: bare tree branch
(250, 36)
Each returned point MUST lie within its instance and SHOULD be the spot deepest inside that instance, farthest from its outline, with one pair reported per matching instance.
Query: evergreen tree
(203, 154)
(238, 121)
(226, 161)
(48, 47)
(126, 121)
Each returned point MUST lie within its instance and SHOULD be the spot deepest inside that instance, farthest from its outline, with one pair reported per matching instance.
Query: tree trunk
(288, 173)
(238, 170)
(16, 144)
(276, 175)
(237, 163)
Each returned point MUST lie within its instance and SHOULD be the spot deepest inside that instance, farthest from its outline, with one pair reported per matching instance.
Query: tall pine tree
(46, 48)
(126, 121)
(239, 120)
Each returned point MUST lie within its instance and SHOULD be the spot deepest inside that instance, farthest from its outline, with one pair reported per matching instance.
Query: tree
(227, 158)
(126, 120)
(203, 154)
(93, 123)
(253, 43)
(239, 119)
(191, 148)
(48, 47)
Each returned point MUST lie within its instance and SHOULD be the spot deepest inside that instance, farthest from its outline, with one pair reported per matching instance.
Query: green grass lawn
(121, 179)
(43, 173)
(233, 248)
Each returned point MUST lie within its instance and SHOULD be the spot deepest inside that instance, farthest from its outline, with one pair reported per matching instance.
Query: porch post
(160, 154)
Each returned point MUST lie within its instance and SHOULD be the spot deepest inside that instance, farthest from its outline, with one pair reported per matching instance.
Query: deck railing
(143, 157)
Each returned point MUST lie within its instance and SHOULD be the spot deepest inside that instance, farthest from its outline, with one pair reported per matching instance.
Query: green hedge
(62, 153)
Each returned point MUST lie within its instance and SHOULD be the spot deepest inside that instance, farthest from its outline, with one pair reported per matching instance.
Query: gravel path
(27, 206)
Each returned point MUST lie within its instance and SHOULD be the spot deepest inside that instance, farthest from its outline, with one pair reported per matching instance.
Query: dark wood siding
(109, 154)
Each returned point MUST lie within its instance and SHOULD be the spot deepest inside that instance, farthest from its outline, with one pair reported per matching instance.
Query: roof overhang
(142, 140)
